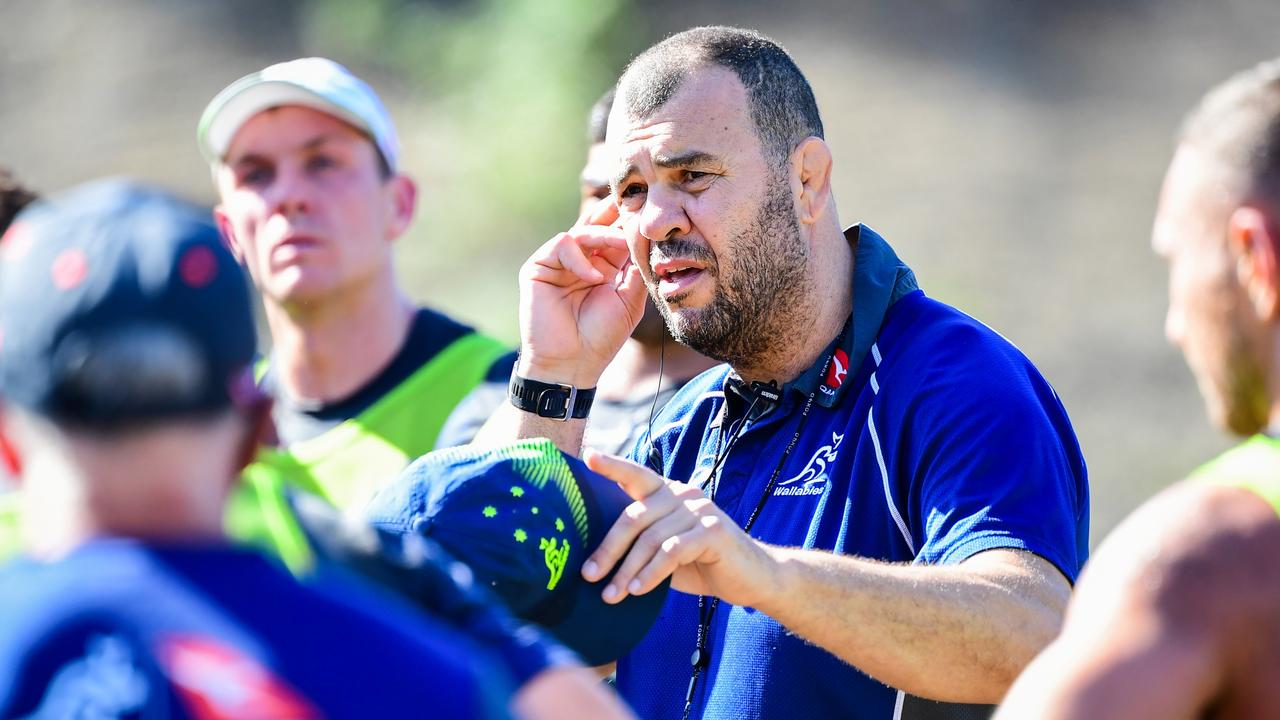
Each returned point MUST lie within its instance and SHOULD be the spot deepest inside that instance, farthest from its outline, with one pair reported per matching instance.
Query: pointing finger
(639, 482)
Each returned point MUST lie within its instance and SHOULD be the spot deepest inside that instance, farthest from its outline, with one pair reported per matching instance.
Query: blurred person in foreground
(876, 496)
(1178, 614)
(651, 366)
(126, 376)
(312, 199)
(13, 197)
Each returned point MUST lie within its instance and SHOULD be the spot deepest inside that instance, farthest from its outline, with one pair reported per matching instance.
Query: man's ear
(811, 178)
(403, 196)
(228, 233)
(1253, 238)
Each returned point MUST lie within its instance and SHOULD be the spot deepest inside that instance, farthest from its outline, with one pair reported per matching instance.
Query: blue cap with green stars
(524, 517)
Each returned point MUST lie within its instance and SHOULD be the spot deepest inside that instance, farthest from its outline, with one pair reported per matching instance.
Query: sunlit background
(1011, 151)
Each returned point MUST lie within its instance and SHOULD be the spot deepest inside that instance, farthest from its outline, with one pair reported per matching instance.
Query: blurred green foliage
(508, 83)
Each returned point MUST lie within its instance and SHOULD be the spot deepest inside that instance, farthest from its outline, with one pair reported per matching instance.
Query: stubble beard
(1237, 397)
(759, 292)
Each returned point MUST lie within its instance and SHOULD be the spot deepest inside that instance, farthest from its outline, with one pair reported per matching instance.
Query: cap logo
(556, 558)
(70, 269)
(198, 267)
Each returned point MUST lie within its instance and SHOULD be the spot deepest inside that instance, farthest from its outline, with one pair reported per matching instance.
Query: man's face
(593, 187)
(1210, 317)
(717, 239)
(305, 205)
(594, 183)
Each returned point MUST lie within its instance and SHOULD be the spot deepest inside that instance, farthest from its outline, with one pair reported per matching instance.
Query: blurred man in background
(311, 200)
(126, 373)
(651, 366)
(1177, 614)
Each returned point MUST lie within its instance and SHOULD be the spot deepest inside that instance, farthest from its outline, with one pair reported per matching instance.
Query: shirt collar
(880, 279)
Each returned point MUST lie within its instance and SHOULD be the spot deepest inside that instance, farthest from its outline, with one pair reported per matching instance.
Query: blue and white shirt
(931, 439)
(123, 629)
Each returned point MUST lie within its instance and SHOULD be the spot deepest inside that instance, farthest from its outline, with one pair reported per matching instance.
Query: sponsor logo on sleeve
(217, 682)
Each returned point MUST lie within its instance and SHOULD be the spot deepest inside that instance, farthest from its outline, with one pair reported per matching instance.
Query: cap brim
(598, 631)
(237, 105)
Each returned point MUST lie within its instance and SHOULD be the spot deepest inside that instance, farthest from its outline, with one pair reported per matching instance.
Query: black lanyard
(701, 657)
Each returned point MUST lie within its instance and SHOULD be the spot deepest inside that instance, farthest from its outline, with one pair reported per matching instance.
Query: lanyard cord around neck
(706, 610)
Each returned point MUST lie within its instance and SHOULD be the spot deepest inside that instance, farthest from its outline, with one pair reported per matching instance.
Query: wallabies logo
(556, 558)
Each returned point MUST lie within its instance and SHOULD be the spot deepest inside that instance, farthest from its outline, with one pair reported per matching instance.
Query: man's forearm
(958, 633)
(509, 423)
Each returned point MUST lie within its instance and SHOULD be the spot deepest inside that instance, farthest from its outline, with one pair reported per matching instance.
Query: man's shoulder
(1193, 547)
(98, 591)
(925, 342)
(920, 325)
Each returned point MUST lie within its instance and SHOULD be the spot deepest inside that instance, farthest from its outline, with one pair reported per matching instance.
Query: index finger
(637, 481)
(603, 212)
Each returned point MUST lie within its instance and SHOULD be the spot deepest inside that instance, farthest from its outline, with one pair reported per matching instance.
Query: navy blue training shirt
(931, 438)
(122, 629)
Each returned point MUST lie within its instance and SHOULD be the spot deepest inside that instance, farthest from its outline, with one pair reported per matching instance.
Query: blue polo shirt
(930, 439)
(123, 629)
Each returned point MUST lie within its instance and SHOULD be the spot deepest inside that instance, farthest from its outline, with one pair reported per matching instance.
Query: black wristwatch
(550, 400)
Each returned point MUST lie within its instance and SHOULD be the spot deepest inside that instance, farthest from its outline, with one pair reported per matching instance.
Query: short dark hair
(1238, 125)
(13, 197)
(598, 117)
(778, 95)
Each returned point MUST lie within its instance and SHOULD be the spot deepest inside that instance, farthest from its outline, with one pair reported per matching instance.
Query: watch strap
(557, 401)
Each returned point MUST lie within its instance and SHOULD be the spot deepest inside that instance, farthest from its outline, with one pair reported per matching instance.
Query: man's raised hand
(580, 298)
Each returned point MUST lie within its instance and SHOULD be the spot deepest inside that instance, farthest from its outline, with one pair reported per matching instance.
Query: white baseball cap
(315, 82)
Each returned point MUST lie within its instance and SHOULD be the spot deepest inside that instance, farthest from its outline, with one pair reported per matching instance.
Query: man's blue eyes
(320, 162)
(255, 176)
(263, 174)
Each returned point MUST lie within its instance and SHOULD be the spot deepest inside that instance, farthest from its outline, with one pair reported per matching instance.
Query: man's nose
(663, 216)
(290, 192)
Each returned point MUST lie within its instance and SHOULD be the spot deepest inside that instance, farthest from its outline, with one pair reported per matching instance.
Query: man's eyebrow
(684, 160)
(668, 162)
(621, 177)
(311, 144)
(246, 159)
